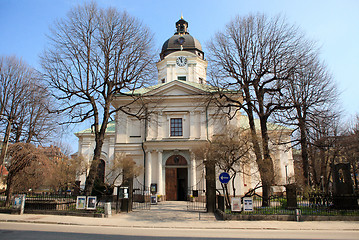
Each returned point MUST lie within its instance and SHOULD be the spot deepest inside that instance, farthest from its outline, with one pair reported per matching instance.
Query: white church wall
(121, 127)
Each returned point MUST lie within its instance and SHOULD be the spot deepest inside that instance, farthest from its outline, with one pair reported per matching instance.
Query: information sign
(81, 202)
(91, 202)
(247, 204)
(236, 205)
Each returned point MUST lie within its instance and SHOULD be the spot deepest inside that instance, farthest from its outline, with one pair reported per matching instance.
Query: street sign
(224, 178)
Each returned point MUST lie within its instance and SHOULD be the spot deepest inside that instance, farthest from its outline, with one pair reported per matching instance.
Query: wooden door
(171, 184)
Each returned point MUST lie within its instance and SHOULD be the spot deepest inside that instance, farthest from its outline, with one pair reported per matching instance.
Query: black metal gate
(141, 197)
(197, 196)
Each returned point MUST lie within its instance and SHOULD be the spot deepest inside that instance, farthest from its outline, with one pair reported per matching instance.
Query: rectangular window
(135, 127)
(176, 127)
(182, 78)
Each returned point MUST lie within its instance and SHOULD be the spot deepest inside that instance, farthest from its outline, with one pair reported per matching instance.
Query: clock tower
(182, 57)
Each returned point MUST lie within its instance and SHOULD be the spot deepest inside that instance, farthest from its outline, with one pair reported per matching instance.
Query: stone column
(193, 171)
(159, 177)
(148, 169)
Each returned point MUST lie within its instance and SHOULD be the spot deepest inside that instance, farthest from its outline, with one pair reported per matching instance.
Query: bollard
(22, 208)
(108, 209)
(298, 212)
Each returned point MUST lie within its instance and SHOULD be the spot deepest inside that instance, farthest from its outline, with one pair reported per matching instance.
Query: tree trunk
(304, 148)
(5, 144)
(233, 186)
(265, 168)
(99, 138)
(355, 175)
(265, 194)
(8, 191)
(226, 195)
(90, 179)
(210, 186)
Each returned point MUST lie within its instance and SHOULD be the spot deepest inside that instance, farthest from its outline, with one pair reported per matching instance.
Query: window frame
(184, 78)
(176, 127)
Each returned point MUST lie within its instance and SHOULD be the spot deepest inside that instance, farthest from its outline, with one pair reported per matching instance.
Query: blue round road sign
(224, 178)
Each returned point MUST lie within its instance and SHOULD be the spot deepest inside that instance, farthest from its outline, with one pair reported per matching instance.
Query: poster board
(153, 200)
(236, 205)
(248, 204)
(81, 202)
(91, 202)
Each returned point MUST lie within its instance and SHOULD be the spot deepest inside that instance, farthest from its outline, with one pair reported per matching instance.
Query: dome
(182, 40)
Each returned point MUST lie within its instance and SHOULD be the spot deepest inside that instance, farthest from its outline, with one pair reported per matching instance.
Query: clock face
(181, 61)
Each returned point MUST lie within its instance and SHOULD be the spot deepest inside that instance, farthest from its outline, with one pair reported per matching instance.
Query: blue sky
(333, 24)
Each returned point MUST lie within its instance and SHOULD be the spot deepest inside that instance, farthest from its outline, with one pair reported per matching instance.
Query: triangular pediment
(177, 88)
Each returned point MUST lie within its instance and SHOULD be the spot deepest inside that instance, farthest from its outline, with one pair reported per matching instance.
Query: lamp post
(5, 142)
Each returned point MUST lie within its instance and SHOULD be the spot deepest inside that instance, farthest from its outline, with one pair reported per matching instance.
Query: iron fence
(47, 201)
(141, 197)
(312, 205)
(197, 197)
(141, 200)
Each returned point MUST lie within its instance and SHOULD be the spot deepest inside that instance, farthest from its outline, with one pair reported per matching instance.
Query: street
(10, 230)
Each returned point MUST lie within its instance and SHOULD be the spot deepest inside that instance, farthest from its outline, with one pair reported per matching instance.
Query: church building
(180, 120)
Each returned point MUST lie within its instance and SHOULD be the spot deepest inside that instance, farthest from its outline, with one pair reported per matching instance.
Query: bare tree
(312, 93)
(21, 156)
(24, 103)
(94, 55)
(124, 166)
(350, 149)
(230, 152)
(64, 168)
(324, 149)
(254, 56)
(13, 88)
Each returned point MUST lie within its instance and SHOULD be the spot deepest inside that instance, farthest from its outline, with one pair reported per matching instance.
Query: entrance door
(182, 184)
(171, 184)
(176, 178)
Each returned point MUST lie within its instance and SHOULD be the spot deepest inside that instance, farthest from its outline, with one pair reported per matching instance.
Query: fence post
(298, 212)
(108, 209)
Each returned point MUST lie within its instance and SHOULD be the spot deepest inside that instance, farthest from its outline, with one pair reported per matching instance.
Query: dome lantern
(181, 41)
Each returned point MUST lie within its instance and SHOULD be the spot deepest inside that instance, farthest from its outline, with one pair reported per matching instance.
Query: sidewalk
(174, 215)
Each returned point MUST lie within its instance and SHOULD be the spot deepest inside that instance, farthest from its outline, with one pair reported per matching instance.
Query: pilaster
(203, 123)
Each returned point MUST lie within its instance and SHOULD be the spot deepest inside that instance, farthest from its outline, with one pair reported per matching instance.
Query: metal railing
(197, 197)
(315, 205)
(47, 201)
(141, 197)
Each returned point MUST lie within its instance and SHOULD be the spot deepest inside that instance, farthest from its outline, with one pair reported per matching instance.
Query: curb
(179, 227)
(286, 218)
